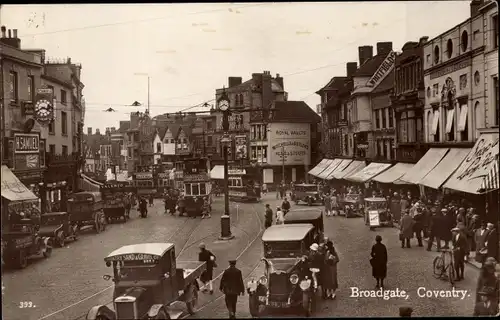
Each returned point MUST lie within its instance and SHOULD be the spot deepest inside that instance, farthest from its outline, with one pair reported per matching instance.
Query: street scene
(140, 182)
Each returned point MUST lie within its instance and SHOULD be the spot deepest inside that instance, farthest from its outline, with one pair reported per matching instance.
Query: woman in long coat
(379, 261)
(330, 281)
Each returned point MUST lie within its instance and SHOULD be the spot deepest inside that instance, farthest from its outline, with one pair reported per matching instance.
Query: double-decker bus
(197, 185)
(241, 184)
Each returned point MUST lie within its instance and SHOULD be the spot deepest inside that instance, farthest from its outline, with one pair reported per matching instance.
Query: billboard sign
(241, 147)
(289, 144)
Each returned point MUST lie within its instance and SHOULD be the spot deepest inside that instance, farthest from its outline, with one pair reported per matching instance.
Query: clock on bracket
(43, 111)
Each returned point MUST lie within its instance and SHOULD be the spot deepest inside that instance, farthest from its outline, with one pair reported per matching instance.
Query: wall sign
(289, 144)
(449, 69)
(382, 71)
(143, 176)
(26, 143)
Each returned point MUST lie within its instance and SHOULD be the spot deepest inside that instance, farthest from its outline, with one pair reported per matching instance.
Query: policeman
(232, 285)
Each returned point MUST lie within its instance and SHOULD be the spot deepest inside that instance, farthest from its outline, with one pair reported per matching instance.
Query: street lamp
(223, 104)
(146, 75)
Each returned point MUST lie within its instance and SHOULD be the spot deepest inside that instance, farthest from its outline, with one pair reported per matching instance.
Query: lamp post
(146, 75)
(223, 104)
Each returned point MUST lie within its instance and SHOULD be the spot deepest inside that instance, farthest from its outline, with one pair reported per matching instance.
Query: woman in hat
(379, 261)
(480, 239)
(316, 262)
(487, 290)
(206, 277)
(329, 275)
(280, 217)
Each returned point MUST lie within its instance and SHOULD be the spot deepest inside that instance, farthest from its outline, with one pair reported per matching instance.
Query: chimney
(351, 69)
(423, 40)
(89, 131)
(11, 41)
(69, 60)
(97, 131)
(267, 91)
(113, 129)
(14, 31)
(474, 7)
(383, 48)
(279, 80)
(257, 79)
(108, 131)
(234, 81)
(365, 53)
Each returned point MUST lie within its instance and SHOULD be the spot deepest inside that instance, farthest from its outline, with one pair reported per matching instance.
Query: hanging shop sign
(44, 106)
(290, 144)
(382, 71)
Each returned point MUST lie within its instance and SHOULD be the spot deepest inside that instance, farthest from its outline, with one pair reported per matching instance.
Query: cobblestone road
(408, 269)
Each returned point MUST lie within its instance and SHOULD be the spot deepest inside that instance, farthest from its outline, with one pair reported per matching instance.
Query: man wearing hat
(436, 222)
(459, 242)
(232, 286)
(491, 241)
(448, 224)
(268, 219)
(207, 276)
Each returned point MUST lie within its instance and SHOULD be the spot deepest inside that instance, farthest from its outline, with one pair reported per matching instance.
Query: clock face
(224, 105)
(43, 109)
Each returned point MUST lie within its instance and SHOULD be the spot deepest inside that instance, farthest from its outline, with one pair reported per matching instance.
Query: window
(377, 119)
(435, 90)
(497, 102)
(63, 96)
(52, 127)
(209, 125)
(65, 150)
(259, 132)
(253, 154)
(379, 151)
(392, 149)
(436, 55)
(14, 94)
(52, 149)
(384, 148)
(449, 48)
(465, 40)
(391, 118)
(495, 30)
(158, 147)
(209, 141)
(384, 119)
(475, 34)
(64, 123)
(31, 88)
(172, 141)
(464, 134)
(253, 133)
(428, 58)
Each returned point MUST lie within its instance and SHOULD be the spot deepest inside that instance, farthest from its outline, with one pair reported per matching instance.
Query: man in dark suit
(232, 285)
(491, 241)
(459, 242)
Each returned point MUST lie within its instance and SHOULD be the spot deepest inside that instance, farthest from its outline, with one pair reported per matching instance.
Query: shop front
(60, 180)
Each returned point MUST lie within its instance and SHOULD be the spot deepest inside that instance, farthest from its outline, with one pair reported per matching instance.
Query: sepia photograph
(238, 160)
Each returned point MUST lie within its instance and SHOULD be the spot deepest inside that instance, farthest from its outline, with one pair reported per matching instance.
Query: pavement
(69, 283)
(408, 269)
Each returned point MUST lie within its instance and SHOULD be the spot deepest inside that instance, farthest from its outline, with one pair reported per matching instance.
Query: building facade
(333, 111)
(461, 82)
(370, 118)
(139, 139)
(408, 102)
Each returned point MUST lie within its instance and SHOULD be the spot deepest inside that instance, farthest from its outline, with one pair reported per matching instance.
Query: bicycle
(443, 270)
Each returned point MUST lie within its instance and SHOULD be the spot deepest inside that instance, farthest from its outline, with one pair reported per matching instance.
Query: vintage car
(352, 205)
(59, 227)
(22, 241)
(286, 282)
(307, 193)
(148, 282)
(377, 213)
(314, 217)
(86, 209)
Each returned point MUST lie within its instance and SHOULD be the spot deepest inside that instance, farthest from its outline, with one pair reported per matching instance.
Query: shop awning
(352, 168)
(341, 167)
(477, 166)
(331, 167)
(217, 173)
(368, 172)
(319, 167)
(430, 159)
(327, 164)
(393, 174)
(13, 189)
(437, 176)
(492, 181)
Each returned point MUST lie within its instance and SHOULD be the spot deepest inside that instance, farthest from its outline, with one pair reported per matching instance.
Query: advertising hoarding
(241, 147)
(291, 141)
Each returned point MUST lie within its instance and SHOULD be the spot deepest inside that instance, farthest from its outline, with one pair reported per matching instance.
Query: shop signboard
(26, 149)
(143, 176)
(289, 144)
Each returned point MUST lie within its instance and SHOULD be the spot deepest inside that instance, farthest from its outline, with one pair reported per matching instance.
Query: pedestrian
(285, 206)
(406, 229)
(404, 203)
(378, 261)
(334, 203)
(480, 239)
(405, 312)
(460, 216)
(128, 206)
(491, 241)
(206, 209)
(181, 205)
(151, 200)
(329, 276)
(418, 225)
(264, 188)
(447, 225)
(232, 285)
(268, 220)
(206, 277)
(459, 242)
(282, 190)
(328, 205)
(278, 191)
(316, 262)
(280, 218)
(487, 290)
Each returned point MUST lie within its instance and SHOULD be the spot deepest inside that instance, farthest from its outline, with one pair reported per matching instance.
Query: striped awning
(491, 181)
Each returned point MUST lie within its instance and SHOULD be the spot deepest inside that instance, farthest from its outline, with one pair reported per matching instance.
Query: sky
(189, 50)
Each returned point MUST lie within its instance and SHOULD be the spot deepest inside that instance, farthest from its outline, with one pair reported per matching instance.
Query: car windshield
(282, 249)
(143, 272)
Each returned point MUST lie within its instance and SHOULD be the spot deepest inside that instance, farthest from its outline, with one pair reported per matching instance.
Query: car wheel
(191, 299)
